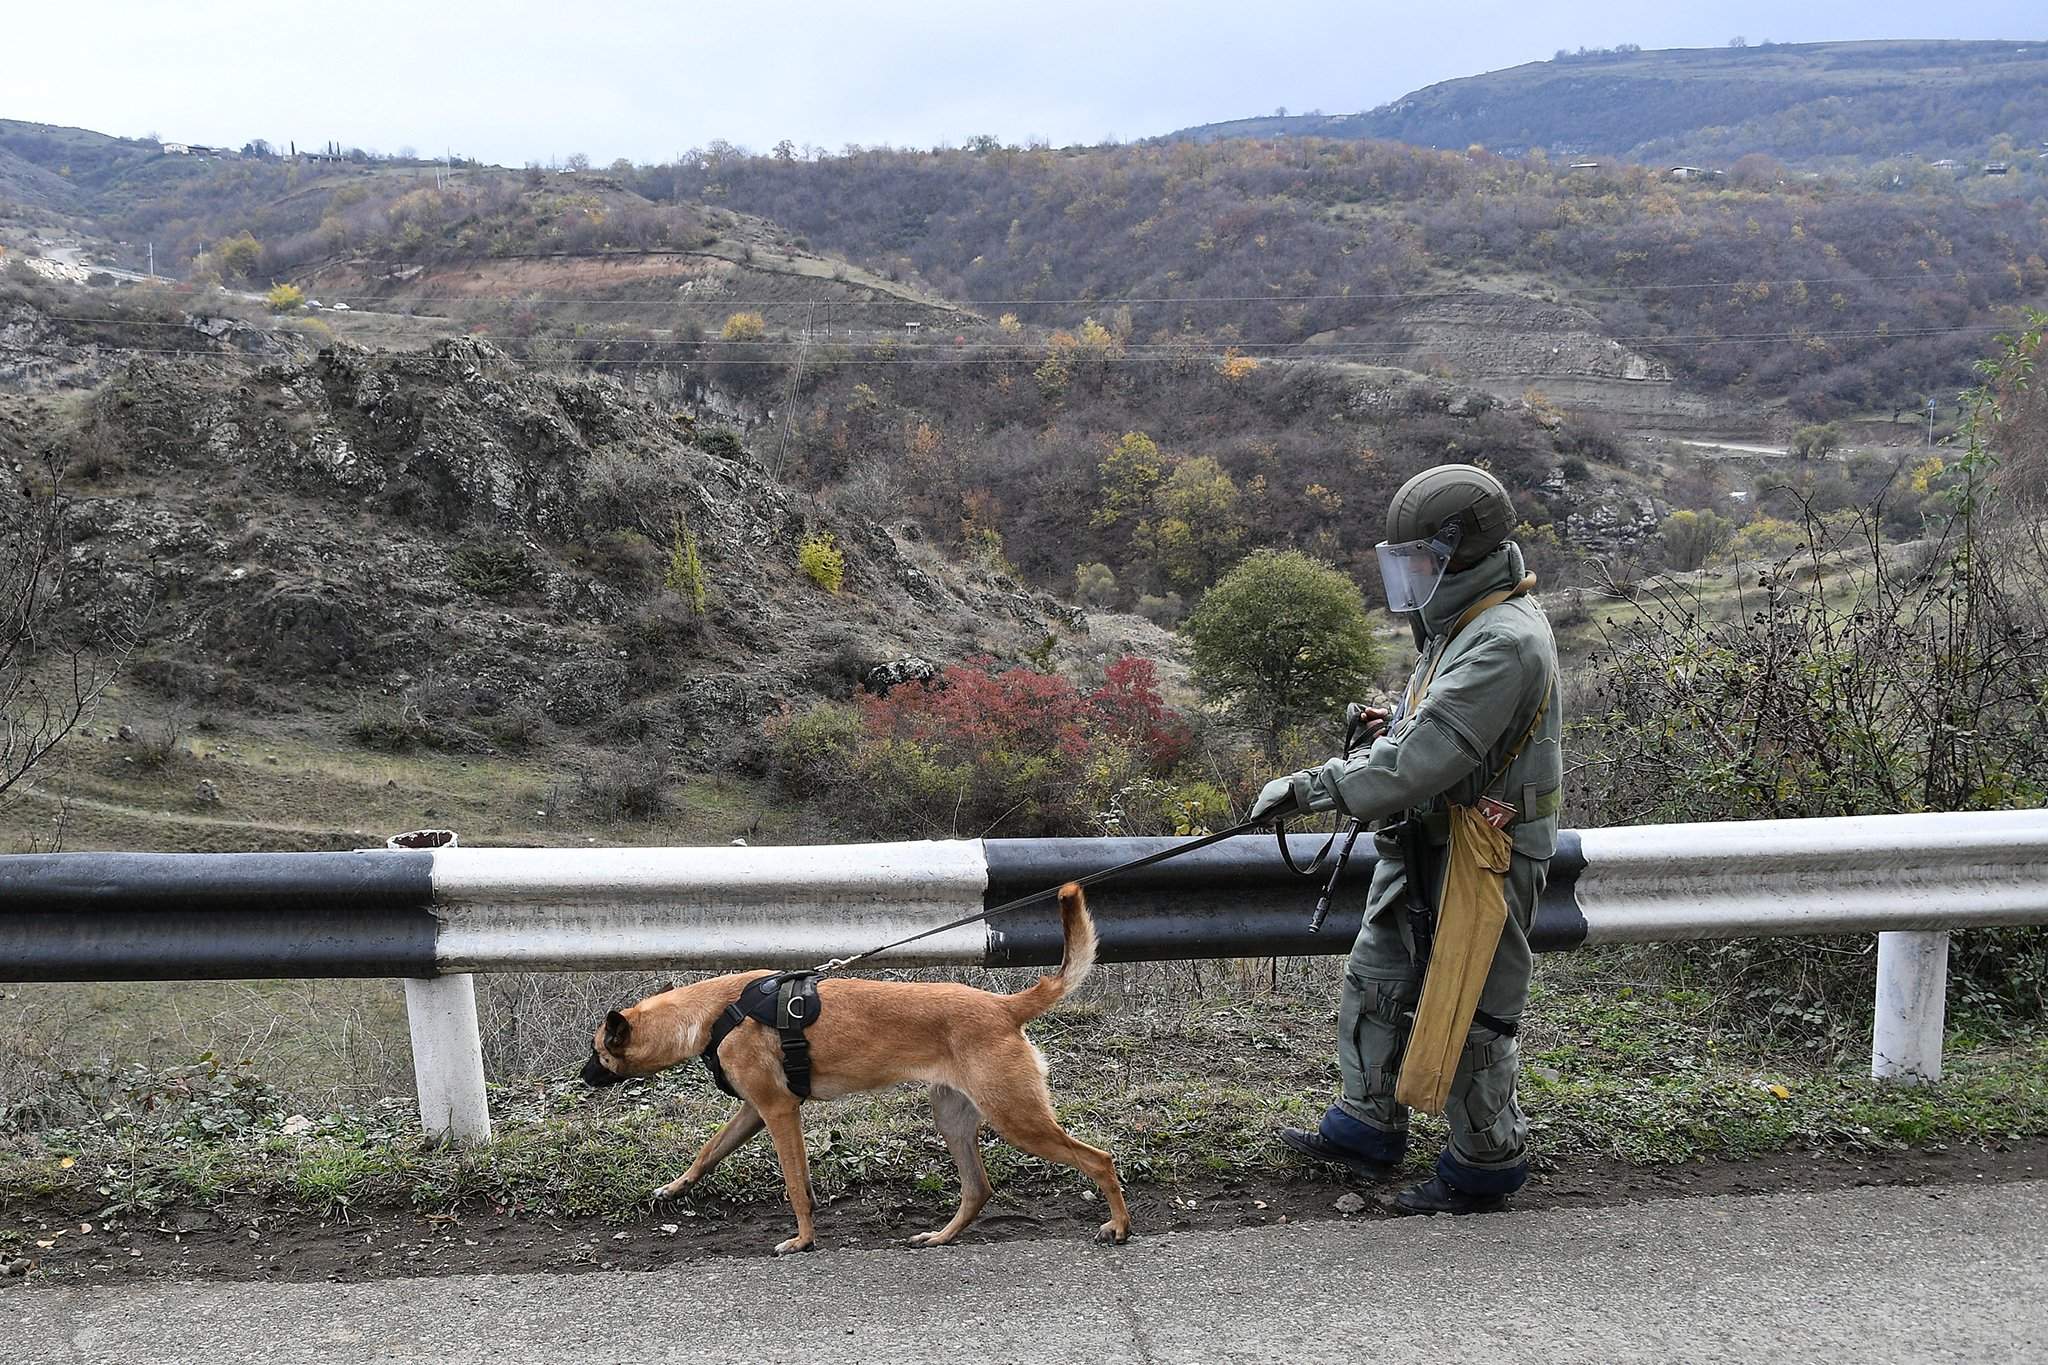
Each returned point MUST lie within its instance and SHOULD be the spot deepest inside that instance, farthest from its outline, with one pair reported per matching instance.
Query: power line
(1389, 357)
(1112, 302)
(1040, 350)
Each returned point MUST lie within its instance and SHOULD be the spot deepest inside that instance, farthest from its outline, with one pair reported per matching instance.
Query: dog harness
(786, 1002)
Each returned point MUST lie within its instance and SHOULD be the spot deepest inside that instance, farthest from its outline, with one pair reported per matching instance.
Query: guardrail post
(1912, 1006)
(448, 1057)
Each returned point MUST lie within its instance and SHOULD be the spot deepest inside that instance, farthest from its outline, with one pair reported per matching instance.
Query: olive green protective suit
(1487, 689)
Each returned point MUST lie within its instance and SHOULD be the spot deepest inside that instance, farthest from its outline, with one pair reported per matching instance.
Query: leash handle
(1315, 864)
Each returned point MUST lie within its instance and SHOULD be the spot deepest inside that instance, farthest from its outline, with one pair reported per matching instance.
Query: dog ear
(617, 1029)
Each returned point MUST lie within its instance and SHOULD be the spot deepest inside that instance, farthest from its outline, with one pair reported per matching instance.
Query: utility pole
(152, 260)
(1930, 424)
(796, 375)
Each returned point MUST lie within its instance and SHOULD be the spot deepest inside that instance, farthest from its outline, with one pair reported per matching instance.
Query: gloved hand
(1276, 802)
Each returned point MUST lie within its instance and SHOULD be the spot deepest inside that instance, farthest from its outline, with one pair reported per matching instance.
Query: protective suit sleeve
(1464, 716)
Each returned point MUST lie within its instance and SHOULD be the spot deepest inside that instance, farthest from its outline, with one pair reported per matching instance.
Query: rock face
(478, 548)
(1605, 523)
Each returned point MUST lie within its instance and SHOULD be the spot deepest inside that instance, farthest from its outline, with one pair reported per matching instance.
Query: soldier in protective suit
(1474, 742)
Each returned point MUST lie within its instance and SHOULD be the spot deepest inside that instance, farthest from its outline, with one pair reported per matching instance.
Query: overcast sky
(515, 80)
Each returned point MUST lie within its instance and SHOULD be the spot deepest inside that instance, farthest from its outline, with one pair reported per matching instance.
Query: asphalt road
(1888, 1274)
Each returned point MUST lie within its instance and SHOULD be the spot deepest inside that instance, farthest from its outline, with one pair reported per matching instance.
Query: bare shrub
(1841, 686)
(539, 1023)
(49, 683)
(631, 787)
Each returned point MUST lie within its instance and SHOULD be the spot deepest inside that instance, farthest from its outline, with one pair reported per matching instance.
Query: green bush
(822, 561)
(1691, 538)
(721, 441)
(1281, 639)
(685, 577)
(492, 570)
(1094, 585)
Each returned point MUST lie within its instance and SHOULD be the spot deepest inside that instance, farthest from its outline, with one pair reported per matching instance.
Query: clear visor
(1411, 572)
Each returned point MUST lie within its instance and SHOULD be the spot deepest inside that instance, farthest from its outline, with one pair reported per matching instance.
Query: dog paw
(794, 1244)
(674, 1189)
(1114, 1233)
(936, 1238)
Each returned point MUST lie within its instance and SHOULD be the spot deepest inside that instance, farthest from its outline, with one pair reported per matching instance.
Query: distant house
(176, 149)
(1948, 164)
(1686, 172)
(1584, 166)
(1997, 168)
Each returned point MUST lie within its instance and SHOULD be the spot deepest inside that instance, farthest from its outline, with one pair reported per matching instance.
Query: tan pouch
(1470, 916)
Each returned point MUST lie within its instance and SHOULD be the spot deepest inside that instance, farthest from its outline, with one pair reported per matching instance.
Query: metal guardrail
(433, 915)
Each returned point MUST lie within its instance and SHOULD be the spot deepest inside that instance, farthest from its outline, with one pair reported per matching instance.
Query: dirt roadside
(256, 1243)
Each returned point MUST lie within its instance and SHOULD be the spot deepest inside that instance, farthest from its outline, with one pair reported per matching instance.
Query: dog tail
(1078, 959)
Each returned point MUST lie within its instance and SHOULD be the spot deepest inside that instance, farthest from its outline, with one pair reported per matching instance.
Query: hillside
(1821, 293)
(446, 551)
(1804, 103)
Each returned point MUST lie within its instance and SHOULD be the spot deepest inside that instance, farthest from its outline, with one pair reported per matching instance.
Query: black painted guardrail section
(193, 916)
(1233, 899)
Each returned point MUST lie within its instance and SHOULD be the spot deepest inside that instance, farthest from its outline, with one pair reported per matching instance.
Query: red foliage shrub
(979, 750)
(1128, 706)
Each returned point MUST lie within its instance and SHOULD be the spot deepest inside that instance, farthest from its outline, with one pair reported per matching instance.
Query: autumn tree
(239, 256)
(1196, 529)
(745, 327)
(1129, 473)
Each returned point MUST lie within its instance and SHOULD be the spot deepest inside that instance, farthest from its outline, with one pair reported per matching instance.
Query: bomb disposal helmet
(1443, 519)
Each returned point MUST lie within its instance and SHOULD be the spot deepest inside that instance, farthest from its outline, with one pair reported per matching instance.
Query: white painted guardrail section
(1856, 874)
(598, 909)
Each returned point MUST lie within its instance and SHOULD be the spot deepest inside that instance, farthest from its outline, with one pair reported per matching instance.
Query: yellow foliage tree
(1236, 366)
(1199, 529)
(284, 298)
(239, 256)
(1130, 473)
(745, 327)
(822, 561)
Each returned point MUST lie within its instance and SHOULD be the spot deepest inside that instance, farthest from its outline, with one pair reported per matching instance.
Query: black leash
(1354, 727)
(1174, 851)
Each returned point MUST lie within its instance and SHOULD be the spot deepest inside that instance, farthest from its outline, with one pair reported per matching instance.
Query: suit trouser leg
(1489, 1134)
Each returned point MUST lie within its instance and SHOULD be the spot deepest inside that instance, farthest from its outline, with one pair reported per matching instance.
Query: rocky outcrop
(479, 541)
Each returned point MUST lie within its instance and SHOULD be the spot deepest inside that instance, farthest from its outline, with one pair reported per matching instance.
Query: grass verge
(1185, 1093)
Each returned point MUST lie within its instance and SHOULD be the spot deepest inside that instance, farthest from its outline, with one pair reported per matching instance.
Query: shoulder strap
(729, 1019)
(1467, 617)
(1535, 724)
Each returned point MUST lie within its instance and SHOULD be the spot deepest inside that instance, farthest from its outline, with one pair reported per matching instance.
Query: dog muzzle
(596, 1072)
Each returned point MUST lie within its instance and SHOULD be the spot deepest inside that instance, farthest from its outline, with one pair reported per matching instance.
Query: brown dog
(967, 1044)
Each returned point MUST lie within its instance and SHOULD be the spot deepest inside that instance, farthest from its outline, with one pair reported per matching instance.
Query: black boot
(1434, 1196)
(1319, 1148)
